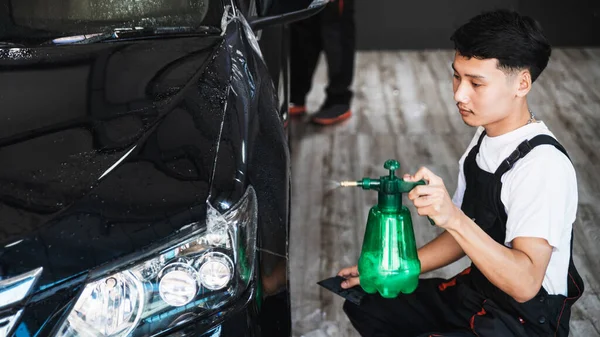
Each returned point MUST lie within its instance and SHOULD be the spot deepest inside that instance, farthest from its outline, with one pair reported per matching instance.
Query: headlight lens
(178, 284)
(112, 305)
(196, 274)
(215, 270)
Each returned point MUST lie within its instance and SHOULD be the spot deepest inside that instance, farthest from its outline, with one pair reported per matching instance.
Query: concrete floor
(403, 109)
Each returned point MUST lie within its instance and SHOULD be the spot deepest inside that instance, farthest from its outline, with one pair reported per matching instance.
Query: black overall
(468, 304)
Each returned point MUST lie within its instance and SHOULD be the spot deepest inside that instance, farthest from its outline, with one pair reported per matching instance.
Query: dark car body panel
(109, 149)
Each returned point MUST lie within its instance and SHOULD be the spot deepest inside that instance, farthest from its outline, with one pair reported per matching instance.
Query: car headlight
(184, 280)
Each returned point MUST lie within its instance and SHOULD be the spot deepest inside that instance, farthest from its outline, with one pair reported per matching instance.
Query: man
(333, 31)
(512, 212)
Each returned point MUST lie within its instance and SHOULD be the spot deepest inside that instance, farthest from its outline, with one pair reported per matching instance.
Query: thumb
(425, 174)
(350, 282)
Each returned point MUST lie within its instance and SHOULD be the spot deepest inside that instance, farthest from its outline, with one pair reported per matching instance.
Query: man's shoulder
(544, 164)
(546, 157)
(547, 150)
(545, 161)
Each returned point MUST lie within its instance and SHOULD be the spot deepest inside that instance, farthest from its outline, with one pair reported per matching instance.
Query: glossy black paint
(193, 118)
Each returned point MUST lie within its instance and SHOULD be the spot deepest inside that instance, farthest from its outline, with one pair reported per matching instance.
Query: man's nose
(461, 94)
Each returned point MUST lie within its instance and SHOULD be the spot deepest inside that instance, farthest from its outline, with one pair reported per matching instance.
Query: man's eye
(476, 85)
(455, 76)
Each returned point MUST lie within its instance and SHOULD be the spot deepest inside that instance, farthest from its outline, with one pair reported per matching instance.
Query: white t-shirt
(539, 195)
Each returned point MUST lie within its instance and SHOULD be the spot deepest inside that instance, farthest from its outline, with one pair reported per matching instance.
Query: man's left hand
(433, 200)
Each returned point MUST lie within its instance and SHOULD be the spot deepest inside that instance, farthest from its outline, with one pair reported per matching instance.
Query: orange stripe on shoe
(297, 110)
(329, 121)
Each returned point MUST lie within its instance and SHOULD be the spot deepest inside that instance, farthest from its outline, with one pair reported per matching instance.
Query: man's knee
(370, 308)
(350, 308)
(363, 320)
(353, 311)
(412, 314)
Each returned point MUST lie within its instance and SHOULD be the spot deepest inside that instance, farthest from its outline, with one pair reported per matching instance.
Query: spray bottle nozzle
(365, 183)
(389, 184)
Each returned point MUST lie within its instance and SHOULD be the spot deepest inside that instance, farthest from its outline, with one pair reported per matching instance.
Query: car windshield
(27, 21)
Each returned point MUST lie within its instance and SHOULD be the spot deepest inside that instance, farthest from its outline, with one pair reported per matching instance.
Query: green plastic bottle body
(388, 261)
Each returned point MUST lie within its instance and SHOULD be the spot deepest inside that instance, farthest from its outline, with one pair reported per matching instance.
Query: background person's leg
(339, 35)
(305, 40)
(338, 40)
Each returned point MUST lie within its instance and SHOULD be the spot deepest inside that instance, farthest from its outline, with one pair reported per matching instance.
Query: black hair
(517, 41)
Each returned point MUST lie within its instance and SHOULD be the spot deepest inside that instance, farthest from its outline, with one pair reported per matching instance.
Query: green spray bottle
(388, 260)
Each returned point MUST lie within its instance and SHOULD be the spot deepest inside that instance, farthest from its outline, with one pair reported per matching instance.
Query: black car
(144, 167)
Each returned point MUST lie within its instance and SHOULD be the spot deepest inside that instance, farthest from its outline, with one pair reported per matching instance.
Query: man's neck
(510, 123)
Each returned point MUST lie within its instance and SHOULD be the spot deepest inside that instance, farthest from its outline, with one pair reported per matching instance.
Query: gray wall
(401, 24)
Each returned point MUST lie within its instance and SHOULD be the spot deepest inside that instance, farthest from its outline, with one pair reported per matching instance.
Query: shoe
(332, 114)
(297, 110)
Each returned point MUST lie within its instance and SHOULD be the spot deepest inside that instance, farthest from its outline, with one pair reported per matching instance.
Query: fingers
(425, 174)
(427, 199)
(424, 201)
(422, 191)
(432, 200)
(351, 282)
(430, 211)
(422, 173)
(349, 272)
(351, 276)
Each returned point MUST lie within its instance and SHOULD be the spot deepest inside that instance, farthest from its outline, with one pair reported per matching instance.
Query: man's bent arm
(439, 252)
(519, 271)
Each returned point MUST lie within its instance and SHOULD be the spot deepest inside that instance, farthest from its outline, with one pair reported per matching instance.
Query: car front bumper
(249, 316)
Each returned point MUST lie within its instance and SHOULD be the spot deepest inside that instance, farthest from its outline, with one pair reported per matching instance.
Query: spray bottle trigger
(410, 185)
(423, 182)
(407, 186)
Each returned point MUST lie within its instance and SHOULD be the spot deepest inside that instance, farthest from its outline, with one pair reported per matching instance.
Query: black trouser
(436, 308)
(332, 31)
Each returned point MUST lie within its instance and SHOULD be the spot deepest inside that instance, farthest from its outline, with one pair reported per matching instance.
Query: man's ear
(523, 83)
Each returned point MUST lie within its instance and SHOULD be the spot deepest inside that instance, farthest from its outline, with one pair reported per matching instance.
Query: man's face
(485, 95)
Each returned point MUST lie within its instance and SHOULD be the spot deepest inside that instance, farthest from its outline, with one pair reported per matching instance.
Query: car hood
(104, 149)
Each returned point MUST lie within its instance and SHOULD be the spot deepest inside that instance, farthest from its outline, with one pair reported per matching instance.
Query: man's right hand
(351, 276)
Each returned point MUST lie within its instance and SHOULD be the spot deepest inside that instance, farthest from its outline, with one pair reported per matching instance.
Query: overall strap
(470, 160)
(524, 148)
(481, 138)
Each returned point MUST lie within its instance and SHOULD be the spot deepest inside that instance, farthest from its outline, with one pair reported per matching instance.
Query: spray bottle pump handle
(391, 165)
